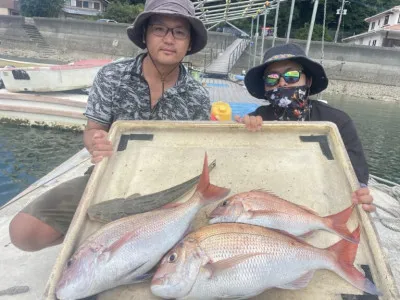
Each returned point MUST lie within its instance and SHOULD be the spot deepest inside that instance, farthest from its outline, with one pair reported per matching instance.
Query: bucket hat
(180, 8)
(254, 78)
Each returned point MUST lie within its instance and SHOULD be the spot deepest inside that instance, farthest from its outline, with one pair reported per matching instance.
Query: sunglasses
(291, 76)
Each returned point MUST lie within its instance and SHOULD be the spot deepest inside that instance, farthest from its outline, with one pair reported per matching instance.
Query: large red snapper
(233, 260)
(265, 209)
(124, 251)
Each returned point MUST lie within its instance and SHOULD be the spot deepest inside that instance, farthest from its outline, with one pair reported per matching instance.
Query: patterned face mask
(289, 103)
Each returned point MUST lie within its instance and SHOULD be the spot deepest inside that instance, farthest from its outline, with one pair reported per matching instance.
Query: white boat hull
(78, 75)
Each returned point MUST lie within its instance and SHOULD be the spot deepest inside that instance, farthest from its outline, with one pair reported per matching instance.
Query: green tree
(302, 33)
(41, 8)
(122, 11)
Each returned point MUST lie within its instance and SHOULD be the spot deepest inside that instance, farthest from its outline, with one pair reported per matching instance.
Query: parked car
(106, 21)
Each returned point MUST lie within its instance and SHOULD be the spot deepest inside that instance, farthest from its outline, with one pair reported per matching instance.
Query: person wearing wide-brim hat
(285, 81)
(152, 86)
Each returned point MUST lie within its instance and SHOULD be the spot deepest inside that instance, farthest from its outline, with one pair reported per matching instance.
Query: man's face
(282, 67)
(168, 49)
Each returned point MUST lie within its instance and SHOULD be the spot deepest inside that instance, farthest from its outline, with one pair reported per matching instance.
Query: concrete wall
(76, 39)
(344, 52)
(344, 61)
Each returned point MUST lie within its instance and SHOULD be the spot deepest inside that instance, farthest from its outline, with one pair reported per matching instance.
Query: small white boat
(76, 75)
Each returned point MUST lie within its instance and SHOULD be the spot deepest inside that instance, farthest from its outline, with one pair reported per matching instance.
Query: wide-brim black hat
(179, 8)
(254, 78)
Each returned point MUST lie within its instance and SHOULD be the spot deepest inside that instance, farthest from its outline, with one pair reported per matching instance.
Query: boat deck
(33, 269)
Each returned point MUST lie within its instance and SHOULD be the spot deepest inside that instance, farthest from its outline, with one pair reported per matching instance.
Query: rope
(392, 189)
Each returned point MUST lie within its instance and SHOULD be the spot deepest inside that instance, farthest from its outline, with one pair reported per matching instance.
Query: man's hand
(100, 146)
(362, 196)
(252, 123)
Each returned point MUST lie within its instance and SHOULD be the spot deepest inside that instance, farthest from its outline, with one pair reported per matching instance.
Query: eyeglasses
(291, 76)
(161, 31)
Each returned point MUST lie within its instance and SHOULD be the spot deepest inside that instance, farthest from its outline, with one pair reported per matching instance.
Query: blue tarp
(242, 108)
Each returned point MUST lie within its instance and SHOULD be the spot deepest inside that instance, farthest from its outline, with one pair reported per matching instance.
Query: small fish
(124, 251)
(239, 261)
(265, 209)
(115, 209)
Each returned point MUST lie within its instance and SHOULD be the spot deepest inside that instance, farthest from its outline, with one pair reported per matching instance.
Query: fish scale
(263, 208)
(241, 260)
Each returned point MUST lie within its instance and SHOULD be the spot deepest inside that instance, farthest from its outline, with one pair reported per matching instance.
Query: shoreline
(378, 92)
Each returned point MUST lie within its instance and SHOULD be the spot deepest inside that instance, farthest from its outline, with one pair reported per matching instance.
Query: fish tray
(305, 163)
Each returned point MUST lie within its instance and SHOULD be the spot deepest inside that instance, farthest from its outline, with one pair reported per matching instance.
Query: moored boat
(76, 75)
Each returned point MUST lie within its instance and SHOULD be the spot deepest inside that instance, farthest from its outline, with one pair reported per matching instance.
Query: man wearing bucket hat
(285, 81)
(152, 86)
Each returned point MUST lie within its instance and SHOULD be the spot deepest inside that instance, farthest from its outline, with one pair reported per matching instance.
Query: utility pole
(340, 21)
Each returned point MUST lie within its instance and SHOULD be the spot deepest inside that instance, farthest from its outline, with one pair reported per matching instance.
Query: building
(9, 7)
(383, 31)
(76, 8)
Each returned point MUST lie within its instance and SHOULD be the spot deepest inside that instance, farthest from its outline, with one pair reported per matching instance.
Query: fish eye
(172, 257)
(225, 203)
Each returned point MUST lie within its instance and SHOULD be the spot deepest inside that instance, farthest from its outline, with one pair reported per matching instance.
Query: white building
(9, 7)
(84, 7)
(383, 31)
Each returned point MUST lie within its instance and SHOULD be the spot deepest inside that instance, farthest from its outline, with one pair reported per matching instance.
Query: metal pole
(263, 36)
(252, 25)
(211, 27)
(276, 22)
(340, 20)
(290, 22)
(251, 41)
(310, 32)
(256, 35)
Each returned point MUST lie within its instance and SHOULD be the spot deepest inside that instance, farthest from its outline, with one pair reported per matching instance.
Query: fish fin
(307, 209)
(345, 253)
(143, 277)
(114, 247)
(268, 192)
(209, 192)
(299, 283)
(263, 191)
(224, 264)
(133, 196)
(306, 235)
(131, 277)
(337, 223)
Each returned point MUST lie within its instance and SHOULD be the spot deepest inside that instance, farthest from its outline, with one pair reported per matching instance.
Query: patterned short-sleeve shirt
(120, 92)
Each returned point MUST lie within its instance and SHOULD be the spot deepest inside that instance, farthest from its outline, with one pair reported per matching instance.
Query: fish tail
(208, 191)
(345, 253)
(337, 223)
